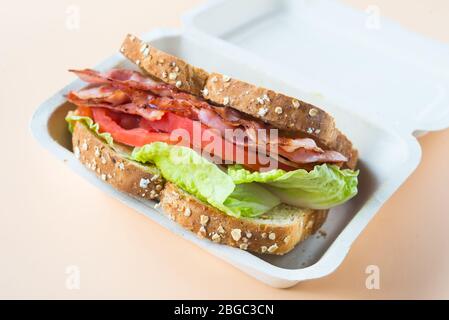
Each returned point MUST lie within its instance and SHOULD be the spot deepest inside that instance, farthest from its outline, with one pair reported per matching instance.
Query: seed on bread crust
(216, 238)
(262, 111)
(273, 248)
(77, 152)
(295, 103)
(84, 146)
(236, 234)
(187, 212)
(144, 183)
(204, 220)
(313, 112)
(220, 229)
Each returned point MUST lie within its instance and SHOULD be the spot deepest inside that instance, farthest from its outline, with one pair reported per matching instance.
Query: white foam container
(382, 86)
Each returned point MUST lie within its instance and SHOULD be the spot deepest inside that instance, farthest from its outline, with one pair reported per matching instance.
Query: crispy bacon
(298, 150)
(124, 78)
(229, 115)
(128, 78)
(130, 108)
(102, 93)
(95, 92)
(130, 92)
(302, 155)
(178, 106)
(213, 120)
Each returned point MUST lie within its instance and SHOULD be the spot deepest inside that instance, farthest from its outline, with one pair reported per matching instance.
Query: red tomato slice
(125, 129)
(210, 141)
(173, 129)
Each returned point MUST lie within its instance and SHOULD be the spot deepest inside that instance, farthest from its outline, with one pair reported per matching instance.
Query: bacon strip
(129, 78)
(130, 108)
(130, 92)
(102, 93)
(213, 120)
(299, 150)
(308, 156)
(179, 106)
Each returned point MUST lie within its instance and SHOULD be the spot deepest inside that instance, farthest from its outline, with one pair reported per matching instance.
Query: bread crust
(276, 109)
(243, 233)
(165, 67)
(144, 182)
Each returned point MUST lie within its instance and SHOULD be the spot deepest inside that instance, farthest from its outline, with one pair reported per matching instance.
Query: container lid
(358, 60)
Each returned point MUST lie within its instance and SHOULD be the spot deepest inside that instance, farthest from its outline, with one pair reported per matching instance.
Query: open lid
(357, 59)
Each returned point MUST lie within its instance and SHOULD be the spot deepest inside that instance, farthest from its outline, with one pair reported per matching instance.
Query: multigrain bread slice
(276, 109)
(138, 180)
(164, 66)
(275, 232)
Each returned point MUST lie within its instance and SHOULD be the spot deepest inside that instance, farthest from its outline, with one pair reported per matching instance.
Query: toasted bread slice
(276, 109)
(138, 180)
(165, 67)
(276, 232)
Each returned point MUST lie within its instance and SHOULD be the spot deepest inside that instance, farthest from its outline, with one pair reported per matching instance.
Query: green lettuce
(72, 118)
(324, 187)
(250, 200)
(205, 180)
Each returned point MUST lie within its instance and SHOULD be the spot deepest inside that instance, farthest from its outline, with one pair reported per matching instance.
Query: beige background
(50, 218)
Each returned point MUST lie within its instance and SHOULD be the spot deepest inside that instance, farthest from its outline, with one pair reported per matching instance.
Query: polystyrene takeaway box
(386, 83)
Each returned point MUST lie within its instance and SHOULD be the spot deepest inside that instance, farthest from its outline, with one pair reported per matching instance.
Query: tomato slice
(210, 142)
(136, 131)
(125, 129)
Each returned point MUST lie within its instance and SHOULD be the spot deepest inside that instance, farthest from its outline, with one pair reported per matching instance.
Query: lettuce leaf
(71, 118)
(205, 180)
(250, 200)
(324, 187)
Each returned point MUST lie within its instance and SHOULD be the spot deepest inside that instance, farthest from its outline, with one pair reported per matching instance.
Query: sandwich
(234, 163)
